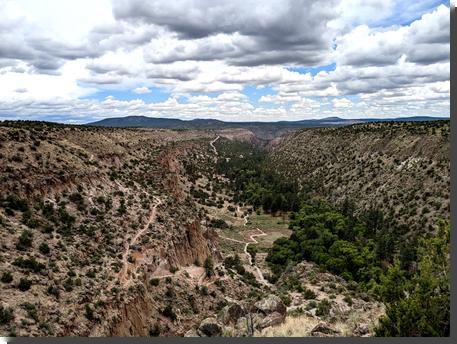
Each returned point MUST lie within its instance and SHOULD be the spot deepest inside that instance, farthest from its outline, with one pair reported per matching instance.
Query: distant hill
(264, 130)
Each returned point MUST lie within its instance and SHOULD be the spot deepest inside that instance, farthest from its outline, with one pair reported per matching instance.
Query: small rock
(191, 333)
(241, 322)
(323, 330)
(209, 328)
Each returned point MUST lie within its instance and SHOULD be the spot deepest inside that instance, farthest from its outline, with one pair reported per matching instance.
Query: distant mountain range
(265, 130)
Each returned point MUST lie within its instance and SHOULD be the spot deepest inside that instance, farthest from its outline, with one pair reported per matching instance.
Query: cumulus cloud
(424, 41)
(244, 32)
(390, 58)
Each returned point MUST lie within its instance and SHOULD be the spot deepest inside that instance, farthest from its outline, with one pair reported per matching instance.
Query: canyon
(135, 232)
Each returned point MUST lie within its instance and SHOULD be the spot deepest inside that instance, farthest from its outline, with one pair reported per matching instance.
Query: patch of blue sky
(182, 100)
(208, 94)
(156, 95)
(406, 12)
(254, 93)
(313, 70)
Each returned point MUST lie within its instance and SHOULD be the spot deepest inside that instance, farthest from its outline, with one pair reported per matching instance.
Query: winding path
(123, 278)
(212, 145)
(252, 237)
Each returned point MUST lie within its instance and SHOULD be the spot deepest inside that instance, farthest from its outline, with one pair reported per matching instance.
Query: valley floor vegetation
(410, 274)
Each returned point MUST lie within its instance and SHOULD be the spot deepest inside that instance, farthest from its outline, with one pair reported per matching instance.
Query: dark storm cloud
(429, 53)
(270, 29)
(43, 54)
(172, 74)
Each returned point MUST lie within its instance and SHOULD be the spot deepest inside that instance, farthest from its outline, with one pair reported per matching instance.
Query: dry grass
(300, 326)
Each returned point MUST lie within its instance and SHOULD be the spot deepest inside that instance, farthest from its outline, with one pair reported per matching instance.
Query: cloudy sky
(79, 61)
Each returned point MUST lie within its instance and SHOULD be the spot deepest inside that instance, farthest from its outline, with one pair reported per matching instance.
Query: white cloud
(142, 90)
(54, 54)
(342, 103)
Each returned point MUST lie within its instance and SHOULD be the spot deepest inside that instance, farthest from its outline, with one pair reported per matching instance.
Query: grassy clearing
(274, 226)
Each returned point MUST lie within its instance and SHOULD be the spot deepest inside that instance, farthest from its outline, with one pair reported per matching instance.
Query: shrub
(204, 290)
(348, 300)
(15, 203)
(24, 284)
(89, 312)
(286, 299)
(68, 284)
(168, 312)
(209, 266)
(31, 310)
(6, 315)
(218, 223)
(154, 282)
(53, 290)
(170, 292)
(323, 308)
(25, 240)
(252, 250)
(7, 277)
(311, 305)
(29, 263)
(235, 264)
(154, 331)
(44, 248)
(309, 294)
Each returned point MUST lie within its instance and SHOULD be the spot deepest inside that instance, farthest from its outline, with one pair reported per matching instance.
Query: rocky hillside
(87, 217)
(158, 232)
(401, 168)
(306, 303)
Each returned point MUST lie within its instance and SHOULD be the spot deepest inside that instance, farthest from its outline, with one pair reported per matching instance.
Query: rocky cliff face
(190, 247)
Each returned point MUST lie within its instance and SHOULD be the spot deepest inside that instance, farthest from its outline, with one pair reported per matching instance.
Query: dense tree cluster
(254, 182)
(413, 283)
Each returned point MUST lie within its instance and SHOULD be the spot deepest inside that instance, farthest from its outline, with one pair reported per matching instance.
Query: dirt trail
(212, 145)
(260, 278)
(123, 278)
(253, 241)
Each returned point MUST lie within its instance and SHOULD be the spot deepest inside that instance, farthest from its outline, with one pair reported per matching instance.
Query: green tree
(25, 240)
(44, 248)
(425, 308)
(209, 266)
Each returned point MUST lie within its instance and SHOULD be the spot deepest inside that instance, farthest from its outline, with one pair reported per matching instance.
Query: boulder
(340, 310)
(271, 304)
(209, 327)
(232, 313)
(324, 330)
(245, 325)
(274, 318)
(361, 330)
